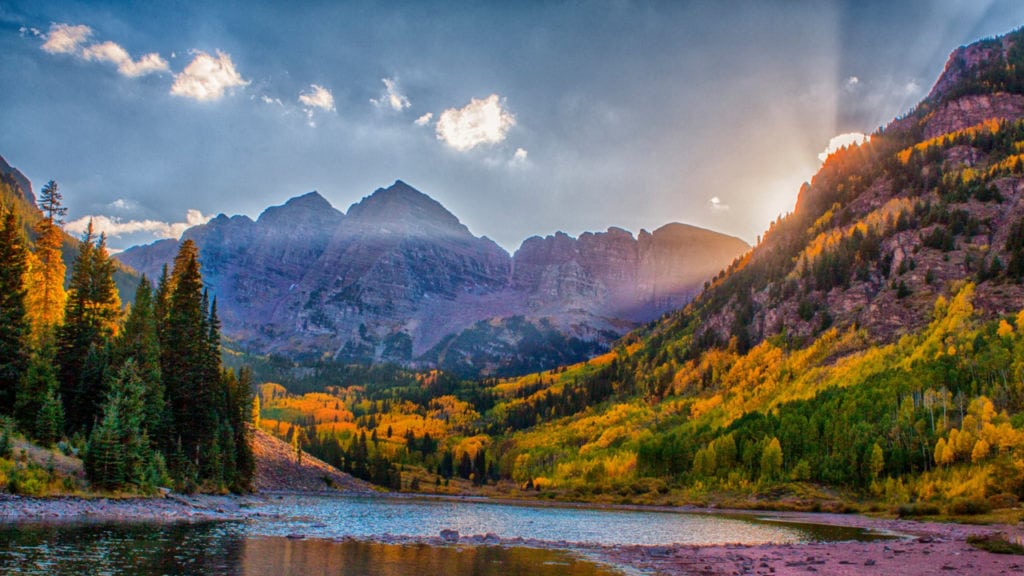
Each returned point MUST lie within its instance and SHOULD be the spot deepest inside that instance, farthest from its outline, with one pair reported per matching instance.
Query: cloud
(124, 205)
(115, 227)
(66, 38)
(391, 97)
(842, 141)
(851, 83)
(115, 54)
(318, 97)
(520, 156)
(717, 205)
(268, 100)
(207, 78)
(425, 119)
(479, 122)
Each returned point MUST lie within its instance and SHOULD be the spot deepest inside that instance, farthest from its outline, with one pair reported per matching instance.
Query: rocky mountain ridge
(399, 278)
(934, 200)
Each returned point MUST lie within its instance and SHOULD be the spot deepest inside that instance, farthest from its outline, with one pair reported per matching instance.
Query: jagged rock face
(620, 276)
(971, 110)
(399, 278)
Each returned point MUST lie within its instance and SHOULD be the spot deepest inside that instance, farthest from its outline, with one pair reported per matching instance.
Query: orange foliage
(990, 125)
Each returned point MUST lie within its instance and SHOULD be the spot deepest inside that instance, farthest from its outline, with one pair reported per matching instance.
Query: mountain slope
(873, 340)
(399, 278)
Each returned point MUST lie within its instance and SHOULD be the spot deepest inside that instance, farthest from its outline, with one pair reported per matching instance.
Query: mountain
(18, 183)
(873, 341)
(399, 278)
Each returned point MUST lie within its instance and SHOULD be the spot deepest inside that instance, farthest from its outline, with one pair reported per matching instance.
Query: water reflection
(190, 549)
(270, 556)
(84, 548)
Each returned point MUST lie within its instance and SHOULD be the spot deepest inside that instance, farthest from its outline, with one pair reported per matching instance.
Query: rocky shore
(172, 507)
(920, 549)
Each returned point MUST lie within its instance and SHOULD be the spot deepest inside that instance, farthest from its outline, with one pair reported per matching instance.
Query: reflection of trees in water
(223, 548)
(143, 549)
(281, 556)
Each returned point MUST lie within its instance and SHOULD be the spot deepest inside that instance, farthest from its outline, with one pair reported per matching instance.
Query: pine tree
(50, 422)
(138, 341)
(189, 360)
(119, 450)
(14, 328)
(45, 280)
(90, 320)
(40, 378)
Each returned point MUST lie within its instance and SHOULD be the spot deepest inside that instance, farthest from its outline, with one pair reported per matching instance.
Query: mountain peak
(403, 207)
(14, 175)
(977, 67)
(308, 207)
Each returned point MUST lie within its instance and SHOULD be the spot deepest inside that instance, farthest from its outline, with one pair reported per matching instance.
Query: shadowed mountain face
(399, 278)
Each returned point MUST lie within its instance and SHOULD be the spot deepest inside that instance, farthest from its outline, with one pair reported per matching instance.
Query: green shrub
(995, 543)
(970, 507)
(917, 509)
(30, 481)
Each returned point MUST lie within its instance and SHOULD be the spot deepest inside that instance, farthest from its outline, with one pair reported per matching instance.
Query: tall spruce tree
(45, 280)
(138, 341)
(90, 320)
(185, 361)
(14, 328)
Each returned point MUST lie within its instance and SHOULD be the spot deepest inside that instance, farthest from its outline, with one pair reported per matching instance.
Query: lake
(261, 546)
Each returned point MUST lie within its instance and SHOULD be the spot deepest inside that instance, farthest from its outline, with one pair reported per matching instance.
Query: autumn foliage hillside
(871, 345)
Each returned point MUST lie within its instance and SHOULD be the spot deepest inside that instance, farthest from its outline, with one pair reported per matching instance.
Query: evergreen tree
(104, 456)
(92, 310)
(50, 422)
(119, 450)
(39, 379)
(14, 328)
(184, 356)
(240, 403)
(45, 280)
(138, 341)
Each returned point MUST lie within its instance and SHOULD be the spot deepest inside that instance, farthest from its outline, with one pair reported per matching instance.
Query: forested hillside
(873, 342)
(139, 394)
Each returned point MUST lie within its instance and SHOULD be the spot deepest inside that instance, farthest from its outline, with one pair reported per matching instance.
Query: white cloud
(520, 157)
(115, 227)
(851, 83)
(391, 97)
(842, 141)
(425, 119)
(66, 38)
(318, 97)
(115, 54)
(717, 205)
(207, 78)
(268, 100)
(124, 205)
(479, 122)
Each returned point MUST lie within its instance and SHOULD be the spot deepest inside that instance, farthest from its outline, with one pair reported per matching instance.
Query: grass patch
(995, 543)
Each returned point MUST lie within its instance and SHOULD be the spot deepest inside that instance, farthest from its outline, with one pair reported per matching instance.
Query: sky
(522, 118)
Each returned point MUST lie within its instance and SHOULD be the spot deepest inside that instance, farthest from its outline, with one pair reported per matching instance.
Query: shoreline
(918, 548)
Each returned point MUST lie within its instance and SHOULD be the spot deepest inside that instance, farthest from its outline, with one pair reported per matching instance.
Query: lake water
(260, 546)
